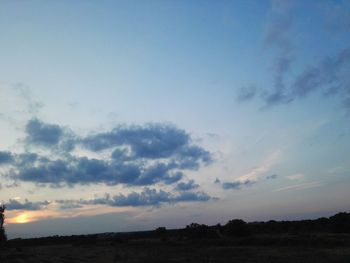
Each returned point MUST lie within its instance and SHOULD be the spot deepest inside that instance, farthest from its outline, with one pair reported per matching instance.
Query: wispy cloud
(262, 169)
(255, 174)
(236, 184)
(296, 177)
(329, 75)
(299, 186)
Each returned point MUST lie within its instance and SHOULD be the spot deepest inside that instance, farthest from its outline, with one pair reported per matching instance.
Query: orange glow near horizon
(21, 219)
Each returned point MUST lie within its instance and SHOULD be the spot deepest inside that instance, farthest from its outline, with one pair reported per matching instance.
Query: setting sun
(21, 219)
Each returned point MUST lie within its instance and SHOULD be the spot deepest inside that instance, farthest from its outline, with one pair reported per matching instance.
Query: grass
(276, 249)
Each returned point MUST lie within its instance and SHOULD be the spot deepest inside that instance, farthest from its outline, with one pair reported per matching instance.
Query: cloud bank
(147, 197)
(138, 156)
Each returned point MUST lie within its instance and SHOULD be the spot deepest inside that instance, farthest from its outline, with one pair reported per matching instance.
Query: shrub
(237, 228)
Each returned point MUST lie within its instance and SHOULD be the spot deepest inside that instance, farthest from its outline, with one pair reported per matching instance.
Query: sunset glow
(22, 219)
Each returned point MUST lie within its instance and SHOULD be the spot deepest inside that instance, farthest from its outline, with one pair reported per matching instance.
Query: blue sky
(129, 115)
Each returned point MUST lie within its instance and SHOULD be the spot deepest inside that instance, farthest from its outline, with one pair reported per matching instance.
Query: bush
(195, 230)
(340, 223)
(237, 228)
(161, 233)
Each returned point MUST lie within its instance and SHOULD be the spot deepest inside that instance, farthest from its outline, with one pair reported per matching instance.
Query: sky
(130, 115)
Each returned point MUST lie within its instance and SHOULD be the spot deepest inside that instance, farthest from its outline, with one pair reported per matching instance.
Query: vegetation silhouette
(237, 228)
(3, 237)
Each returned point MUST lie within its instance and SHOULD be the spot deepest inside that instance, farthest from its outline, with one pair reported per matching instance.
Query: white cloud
(299, 186)
(296, 177)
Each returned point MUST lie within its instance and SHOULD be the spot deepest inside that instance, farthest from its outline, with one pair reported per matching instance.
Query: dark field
(287, 248)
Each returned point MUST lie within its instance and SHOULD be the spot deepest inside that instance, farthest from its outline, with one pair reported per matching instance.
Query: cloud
(68, 204)
(14, 204)
(331, 75)
(247, 93)
(337, 17)
(328, 76)
(299, 186)
(190, 185)
(82, 170)
(277, 36)
(53, 136)
(138, 155)
(148, 197)
(254, 175)
(152, 141)
(236, 184)
(280, 21)
(271, 177)
(43, 134)
(294, 177)
(33, 105)
(5, 157)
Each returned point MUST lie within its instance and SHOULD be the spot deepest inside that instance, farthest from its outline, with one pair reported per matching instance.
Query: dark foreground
(278, 248)
(320, 240)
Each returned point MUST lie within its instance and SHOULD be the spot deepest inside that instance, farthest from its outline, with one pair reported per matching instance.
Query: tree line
(235, 228)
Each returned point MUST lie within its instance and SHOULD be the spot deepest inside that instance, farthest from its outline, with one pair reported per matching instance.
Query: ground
(158, 250)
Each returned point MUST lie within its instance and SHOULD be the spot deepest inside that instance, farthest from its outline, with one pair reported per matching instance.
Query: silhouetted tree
(340, 223)
(237, 228)
(195, 230)
(161, 233)
(2, 220)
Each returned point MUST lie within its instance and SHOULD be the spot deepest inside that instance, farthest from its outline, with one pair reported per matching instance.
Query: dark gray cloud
(6, 157)
(82, 170)
(13, 204)
(190, 185)
(148, 197)
(139, 155)
(236, 184)
(152, 141)
(41, 133)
